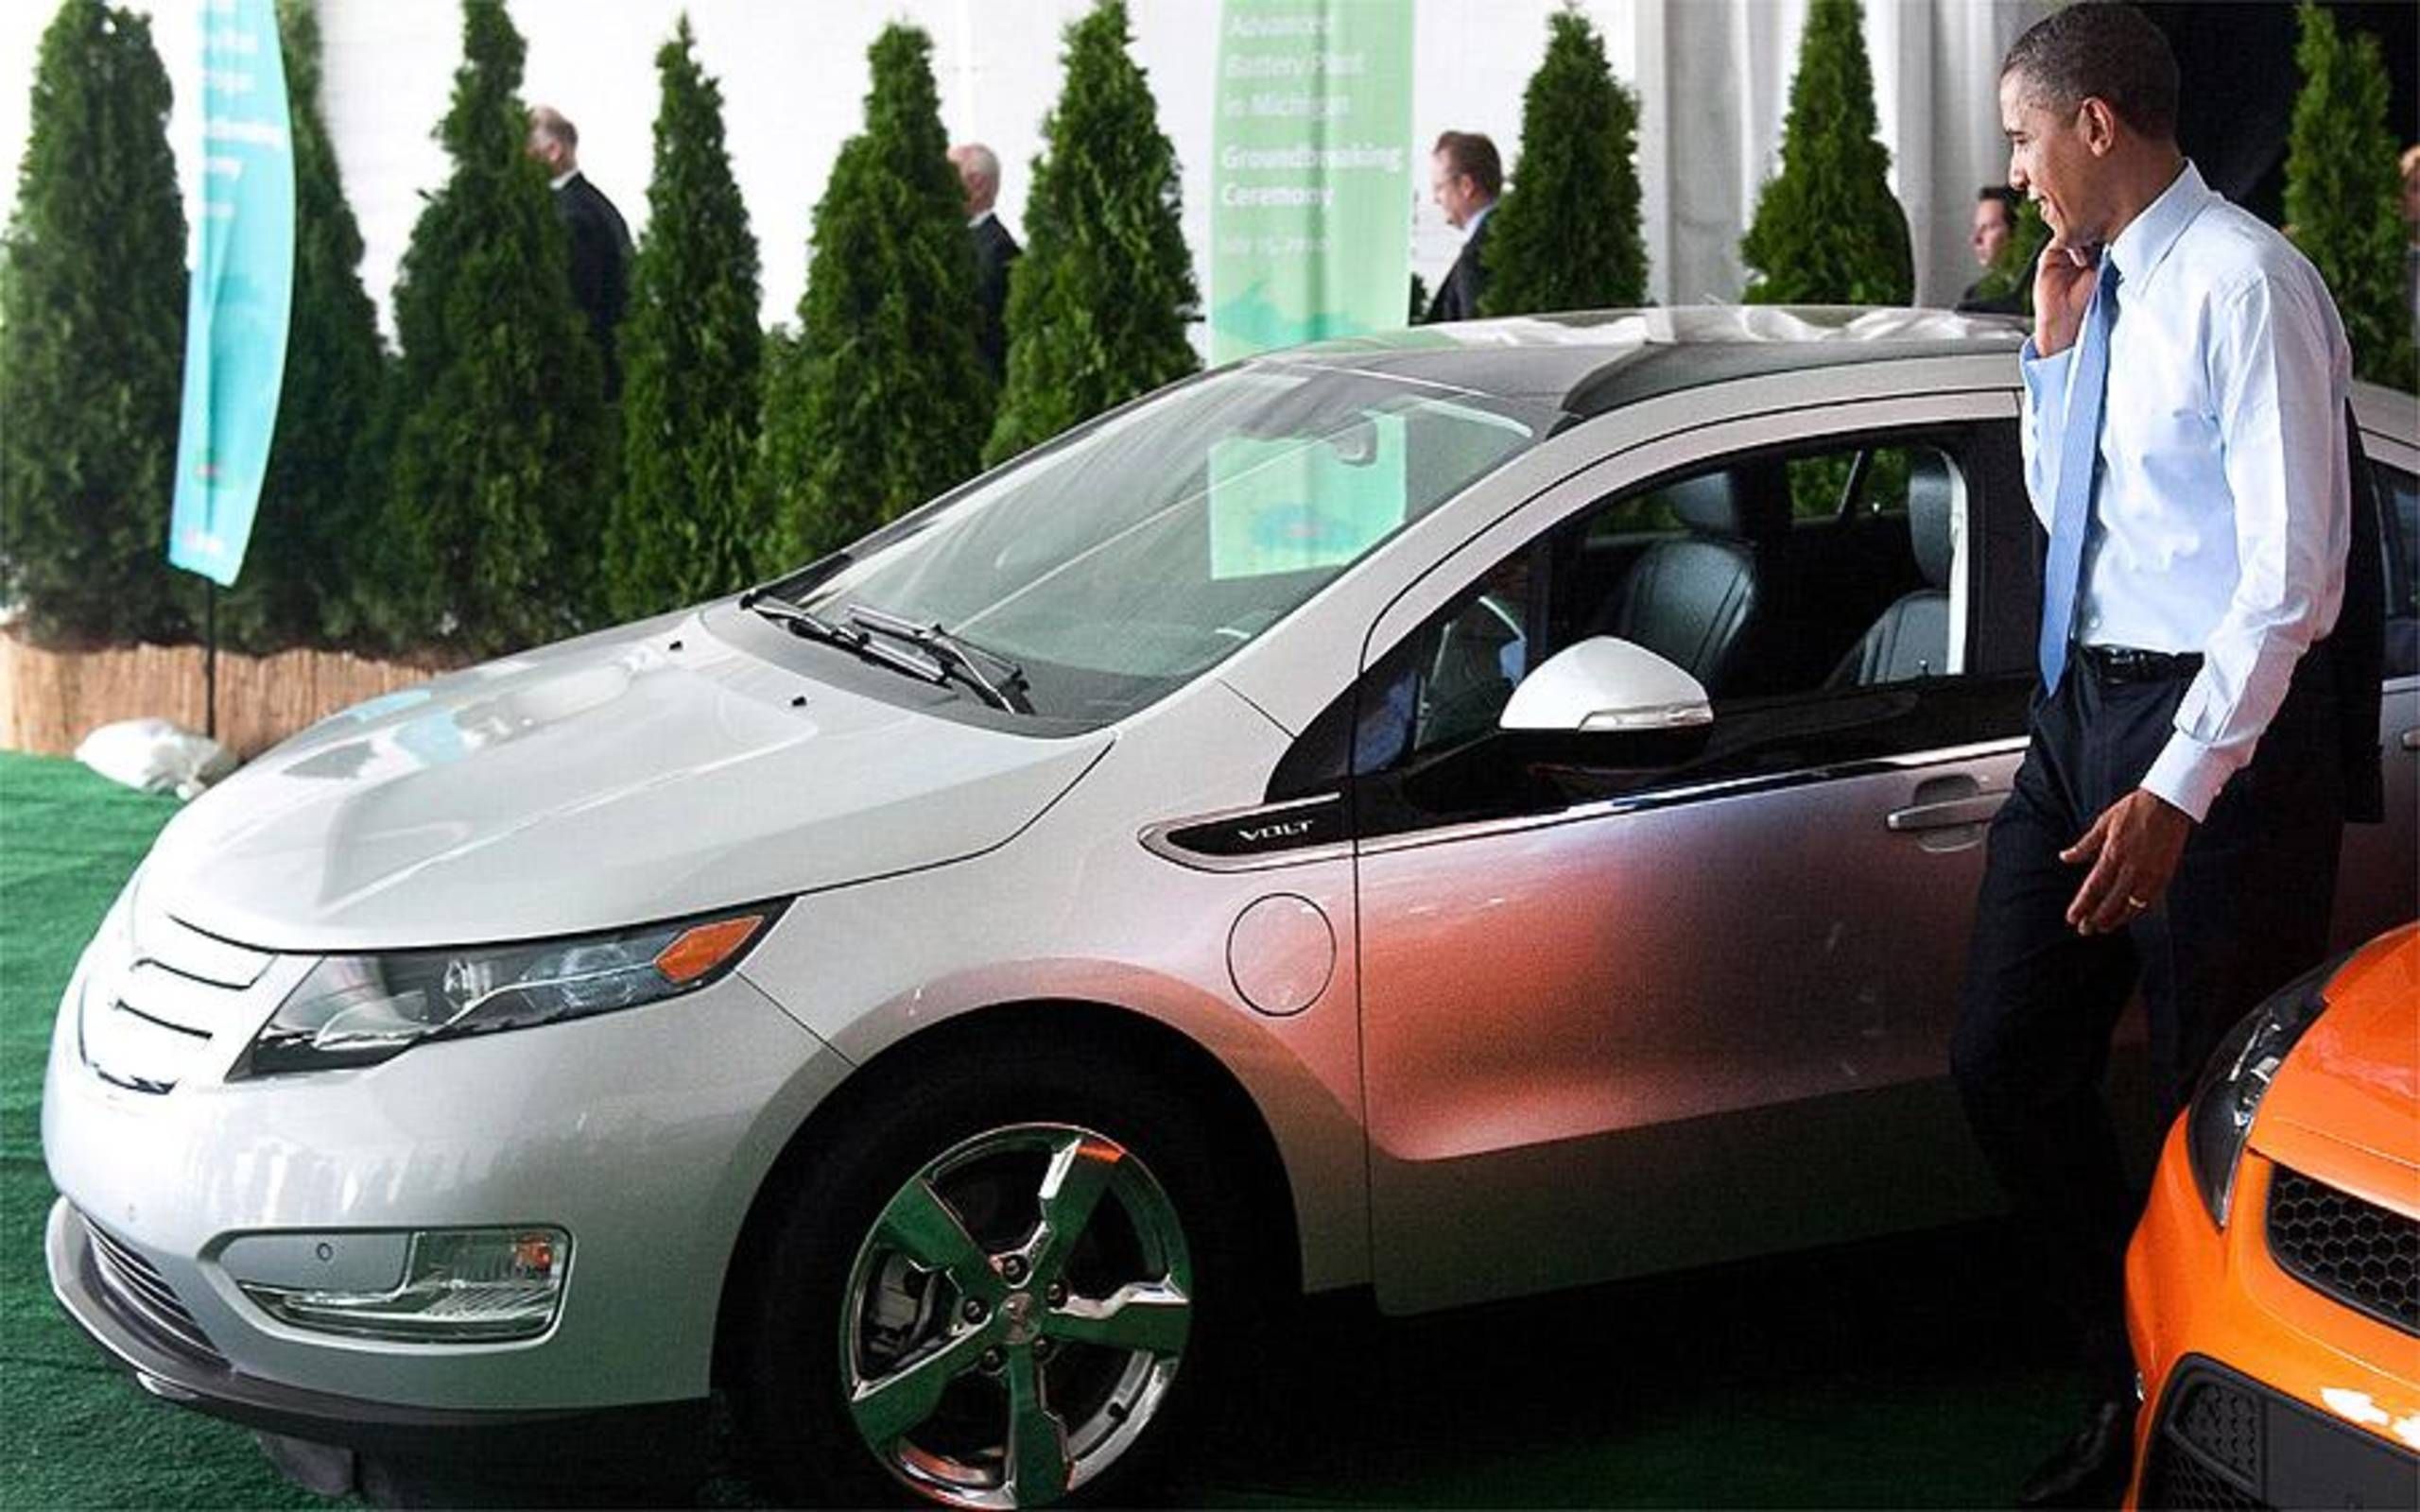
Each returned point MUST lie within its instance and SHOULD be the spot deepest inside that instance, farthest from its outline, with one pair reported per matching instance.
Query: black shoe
(2090, 1468)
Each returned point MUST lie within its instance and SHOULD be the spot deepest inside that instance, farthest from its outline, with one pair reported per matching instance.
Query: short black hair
(2101, 50)
(2008, 199)
(1473, 153)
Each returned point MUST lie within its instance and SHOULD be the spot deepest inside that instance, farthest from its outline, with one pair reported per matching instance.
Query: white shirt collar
(561, 179)
(2147, 238)
(974, 221)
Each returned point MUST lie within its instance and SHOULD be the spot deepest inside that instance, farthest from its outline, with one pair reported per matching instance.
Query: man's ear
(2098, 125)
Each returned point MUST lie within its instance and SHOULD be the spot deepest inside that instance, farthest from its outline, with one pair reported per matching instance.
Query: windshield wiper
(1003, 686)
(807, 624)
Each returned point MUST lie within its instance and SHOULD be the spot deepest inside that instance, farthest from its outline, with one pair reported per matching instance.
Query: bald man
(978, 175)
(600, 241)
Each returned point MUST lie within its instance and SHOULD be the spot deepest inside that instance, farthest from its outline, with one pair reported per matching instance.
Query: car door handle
(1976, 808)
(2412, 738)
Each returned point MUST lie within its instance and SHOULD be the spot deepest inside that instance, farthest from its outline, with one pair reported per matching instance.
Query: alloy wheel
(1015, 1319)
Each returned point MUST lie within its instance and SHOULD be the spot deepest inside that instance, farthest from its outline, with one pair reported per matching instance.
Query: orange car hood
(2354, 1077)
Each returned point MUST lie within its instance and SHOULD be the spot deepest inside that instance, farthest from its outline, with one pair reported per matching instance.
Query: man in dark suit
(600, 242)
(978, 174)
(1995, 224)
(1466, 175)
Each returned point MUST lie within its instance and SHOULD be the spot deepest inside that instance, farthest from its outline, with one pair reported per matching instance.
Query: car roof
(1588, 362)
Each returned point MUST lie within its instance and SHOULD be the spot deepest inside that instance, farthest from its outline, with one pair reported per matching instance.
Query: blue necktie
(2079, 458)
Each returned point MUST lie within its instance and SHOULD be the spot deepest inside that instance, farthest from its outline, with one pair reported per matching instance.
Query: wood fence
(49, 700)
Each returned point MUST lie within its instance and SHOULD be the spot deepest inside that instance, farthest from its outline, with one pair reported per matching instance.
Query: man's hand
(2133, 848)
(2062, 280)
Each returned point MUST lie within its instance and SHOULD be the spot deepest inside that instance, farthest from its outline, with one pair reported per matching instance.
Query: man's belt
(2124, 664)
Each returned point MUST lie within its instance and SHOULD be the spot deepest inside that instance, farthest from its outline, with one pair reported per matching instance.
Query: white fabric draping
(1714, 77)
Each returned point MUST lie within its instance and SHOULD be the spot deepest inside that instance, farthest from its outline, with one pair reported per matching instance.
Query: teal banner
(242, 292)
(1310, 218)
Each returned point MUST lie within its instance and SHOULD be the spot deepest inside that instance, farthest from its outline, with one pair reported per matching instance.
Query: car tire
(928, 1329)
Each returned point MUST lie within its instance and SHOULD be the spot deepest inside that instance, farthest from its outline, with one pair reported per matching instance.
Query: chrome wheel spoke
(1150, 1317)
(924, 1228)
(1080, 1171)
(1038, 1468)
(886, 1409)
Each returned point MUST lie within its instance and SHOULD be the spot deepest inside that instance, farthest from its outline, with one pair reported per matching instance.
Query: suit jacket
(994, 249)
(601, 263)
(1458, 296)
(1973, 303)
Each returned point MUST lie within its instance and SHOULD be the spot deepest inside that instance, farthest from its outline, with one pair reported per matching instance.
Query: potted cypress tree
(319, 496)
(883, 400)
(2342, 194)
(502, 437)
(92, 343)
(1567, 237)
(1827, 229)
(1097, 305)
(684, 525)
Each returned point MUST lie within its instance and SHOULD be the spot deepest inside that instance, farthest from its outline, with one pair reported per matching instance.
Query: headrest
(1750, 502)
(1931, 494)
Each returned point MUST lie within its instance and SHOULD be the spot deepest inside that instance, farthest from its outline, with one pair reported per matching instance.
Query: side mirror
(1606, 684)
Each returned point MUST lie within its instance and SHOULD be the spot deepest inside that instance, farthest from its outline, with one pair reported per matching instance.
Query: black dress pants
(2247, 911)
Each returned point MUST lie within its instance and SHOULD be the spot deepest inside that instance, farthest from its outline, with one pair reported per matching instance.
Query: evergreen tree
(1097, 305)
(1567, 237)
(884, 402)
(684, 526)
(92, 343)
(502, 441)
(2342, 194)
(1827, 229)
(319, 496)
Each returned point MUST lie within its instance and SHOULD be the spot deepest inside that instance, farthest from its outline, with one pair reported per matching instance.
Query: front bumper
(644, 1134)
(2263, 1391)
(170, 1365)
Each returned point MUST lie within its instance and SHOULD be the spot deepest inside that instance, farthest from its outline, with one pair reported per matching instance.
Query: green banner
(243, 283)
(1310, 218)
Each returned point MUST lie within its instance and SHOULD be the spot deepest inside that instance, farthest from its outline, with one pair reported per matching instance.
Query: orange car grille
(2363, 1255)
(2224, 1442)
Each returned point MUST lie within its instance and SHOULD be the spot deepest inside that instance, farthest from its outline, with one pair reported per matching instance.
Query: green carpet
(75, 1433)
(1906, 1372)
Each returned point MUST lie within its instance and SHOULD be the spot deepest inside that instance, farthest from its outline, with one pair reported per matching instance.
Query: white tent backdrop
(1713, 77)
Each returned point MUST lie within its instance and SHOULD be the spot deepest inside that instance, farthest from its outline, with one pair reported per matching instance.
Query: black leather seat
(1701, 600)
(1911, 637)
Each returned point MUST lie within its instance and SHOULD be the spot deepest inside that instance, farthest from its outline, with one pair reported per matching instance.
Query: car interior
(1769, 578)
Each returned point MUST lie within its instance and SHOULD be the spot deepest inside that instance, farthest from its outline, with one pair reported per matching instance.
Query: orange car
(2270, 1290)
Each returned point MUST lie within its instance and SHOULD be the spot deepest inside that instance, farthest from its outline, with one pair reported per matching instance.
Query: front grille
(2365, 1255)
(2227, 1443)
(139, 1290)
(2207, 1451)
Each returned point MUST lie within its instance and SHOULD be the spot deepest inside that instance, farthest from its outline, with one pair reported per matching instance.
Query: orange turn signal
(700, 950)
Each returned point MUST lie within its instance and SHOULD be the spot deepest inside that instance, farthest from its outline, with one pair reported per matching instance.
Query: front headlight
(2219, 1120)
(357, 1010)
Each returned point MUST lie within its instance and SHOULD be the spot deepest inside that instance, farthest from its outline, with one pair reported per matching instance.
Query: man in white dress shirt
(2177, 819)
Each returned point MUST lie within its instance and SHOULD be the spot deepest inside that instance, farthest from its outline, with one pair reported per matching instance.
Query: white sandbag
(155, 756)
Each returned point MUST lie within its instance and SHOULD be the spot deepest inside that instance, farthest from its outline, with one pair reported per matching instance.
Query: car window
(1119, 564)
(1769, 578)
(2399, 525)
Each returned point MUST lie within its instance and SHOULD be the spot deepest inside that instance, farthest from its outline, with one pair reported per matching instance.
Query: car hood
(637, 774)
(2355, 1076)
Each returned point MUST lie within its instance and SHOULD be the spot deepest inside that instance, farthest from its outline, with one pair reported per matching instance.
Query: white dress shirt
(2223, 509)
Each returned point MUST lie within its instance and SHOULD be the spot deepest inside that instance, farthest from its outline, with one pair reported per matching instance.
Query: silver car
(1457, 813)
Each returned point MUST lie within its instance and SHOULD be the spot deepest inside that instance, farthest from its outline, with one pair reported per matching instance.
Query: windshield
(1121, 564)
